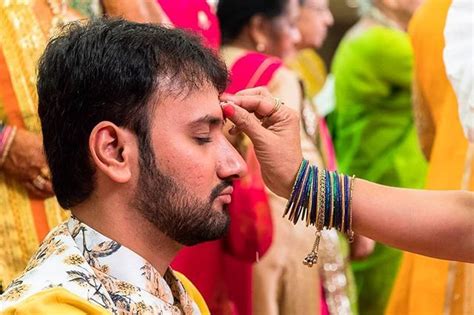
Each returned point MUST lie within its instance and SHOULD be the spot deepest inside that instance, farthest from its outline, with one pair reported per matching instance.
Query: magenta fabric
(252, 70)
(194, 15)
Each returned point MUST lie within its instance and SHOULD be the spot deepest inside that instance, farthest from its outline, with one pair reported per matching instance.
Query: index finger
(259, 90)
(258, 104)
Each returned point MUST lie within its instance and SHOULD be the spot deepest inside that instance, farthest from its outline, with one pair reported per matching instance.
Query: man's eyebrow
(208, 120)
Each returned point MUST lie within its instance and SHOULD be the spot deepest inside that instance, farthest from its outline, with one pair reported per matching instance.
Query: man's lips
(227, 191)
(226, 195)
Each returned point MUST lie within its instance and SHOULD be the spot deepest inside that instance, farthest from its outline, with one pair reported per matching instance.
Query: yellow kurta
(61, 301)
(426, 285)
(78, 270)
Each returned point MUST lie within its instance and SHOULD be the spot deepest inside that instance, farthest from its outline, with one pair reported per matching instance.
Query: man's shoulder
(54, 301)
(58, 263)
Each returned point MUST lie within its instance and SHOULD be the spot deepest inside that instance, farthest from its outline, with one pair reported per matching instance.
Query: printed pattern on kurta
(76, 257)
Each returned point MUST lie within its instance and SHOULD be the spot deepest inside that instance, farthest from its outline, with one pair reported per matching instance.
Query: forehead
(174, 111)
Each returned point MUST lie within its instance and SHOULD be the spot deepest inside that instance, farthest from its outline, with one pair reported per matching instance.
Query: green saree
(375, 136)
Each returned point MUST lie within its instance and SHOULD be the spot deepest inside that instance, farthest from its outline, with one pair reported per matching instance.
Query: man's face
(185, 190)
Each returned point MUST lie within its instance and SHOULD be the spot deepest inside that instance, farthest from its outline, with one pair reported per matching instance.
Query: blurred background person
(314, 21)
(373, 127)
(426, 285)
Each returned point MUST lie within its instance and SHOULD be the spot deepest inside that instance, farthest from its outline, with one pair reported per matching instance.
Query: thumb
(244, 121)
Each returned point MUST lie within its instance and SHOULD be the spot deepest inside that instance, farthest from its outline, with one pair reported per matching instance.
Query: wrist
(7, 135)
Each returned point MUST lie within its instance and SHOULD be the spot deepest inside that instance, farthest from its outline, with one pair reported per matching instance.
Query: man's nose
(231, 163)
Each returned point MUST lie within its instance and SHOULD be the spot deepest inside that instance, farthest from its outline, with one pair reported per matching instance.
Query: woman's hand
(26, 163)
(276, 139)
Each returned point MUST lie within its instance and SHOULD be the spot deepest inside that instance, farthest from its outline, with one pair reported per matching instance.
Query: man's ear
(112, 149)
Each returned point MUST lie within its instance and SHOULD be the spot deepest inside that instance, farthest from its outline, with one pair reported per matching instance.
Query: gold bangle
(322, 199)
(312, 258)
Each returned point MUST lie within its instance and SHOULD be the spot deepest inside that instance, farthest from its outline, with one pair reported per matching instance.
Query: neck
(243, 41)
(127, 226)
(399, 20)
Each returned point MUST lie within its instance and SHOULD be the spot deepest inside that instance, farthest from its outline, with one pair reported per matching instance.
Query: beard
(175, 211)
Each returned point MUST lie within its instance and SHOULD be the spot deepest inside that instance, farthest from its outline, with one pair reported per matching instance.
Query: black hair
(111, 70)
(234, 15)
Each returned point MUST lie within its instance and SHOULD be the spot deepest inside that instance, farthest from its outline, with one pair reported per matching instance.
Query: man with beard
(132, 128)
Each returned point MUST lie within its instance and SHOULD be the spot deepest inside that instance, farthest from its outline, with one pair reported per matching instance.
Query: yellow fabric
(193, 293)
(311, 69)
(61, 301)
(426, 285)
(54, 301)
(24, 221)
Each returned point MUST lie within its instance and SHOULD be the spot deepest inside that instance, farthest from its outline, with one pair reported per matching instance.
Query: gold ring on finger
(39, 182)
(276, 106)
(45, 173)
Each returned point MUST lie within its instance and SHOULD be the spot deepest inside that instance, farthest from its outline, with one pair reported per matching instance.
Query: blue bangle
(314, 205)
(327, 205)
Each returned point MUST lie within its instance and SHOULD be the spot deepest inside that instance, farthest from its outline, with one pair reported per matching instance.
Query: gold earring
(260, 47)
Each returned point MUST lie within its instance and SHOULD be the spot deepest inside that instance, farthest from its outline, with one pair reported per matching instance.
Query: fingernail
(228, 111)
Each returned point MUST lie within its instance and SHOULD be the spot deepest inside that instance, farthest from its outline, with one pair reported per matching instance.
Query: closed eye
(203, 140)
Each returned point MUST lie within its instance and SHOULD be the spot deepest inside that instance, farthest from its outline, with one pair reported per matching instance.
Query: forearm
(433, 223)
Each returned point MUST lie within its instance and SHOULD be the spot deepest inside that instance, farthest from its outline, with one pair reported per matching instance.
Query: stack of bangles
(7, 134)
(321, 198)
